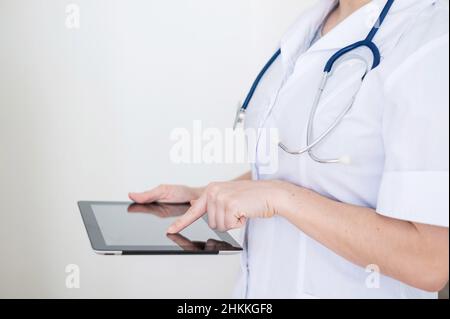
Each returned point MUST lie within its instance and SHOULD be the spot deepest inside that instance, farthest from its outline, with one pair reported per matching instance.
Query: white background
(87, 114)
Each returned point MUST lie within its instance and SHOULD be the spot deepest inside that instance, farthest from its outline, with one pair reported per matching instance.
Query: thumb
(150, 196)
(195, 212)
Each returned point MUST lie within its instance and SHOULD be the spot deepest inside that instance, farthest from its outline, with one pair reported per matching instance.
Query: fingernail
(171, 230)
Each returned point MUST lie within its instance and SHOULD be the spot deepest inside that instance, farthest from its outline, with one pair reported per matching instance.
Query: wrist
(288, 200)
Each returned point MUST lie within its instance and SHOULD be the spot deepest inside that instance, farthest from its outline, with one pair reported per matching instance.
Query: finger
(242, 221)
(211, 209)
(233, 218)
(194, 213)
(220, 216)
(150, 196)
(232, 221)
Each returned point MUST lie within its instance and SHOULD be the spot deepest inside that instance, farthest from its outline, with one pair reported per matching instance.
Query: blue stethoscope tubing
(368, 43)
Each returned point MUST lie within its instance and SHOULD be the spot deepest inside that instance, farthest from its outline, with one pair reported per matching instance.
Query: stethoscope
(311, 141)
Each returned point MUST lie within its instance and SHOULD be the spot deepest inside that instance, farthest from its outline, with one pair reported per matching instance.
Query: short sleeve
(415, 181)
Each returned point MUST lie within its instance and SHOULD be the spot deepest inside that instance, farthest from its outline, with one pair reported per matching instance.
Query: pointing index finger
(195, 212)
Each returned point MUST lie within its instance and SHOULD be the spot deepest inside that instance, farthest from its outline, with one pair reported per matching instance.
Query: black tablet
(122, 228)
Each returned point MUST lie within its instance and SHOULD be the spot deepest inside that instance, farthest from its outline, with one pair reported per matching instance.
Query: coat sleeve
(415, 181)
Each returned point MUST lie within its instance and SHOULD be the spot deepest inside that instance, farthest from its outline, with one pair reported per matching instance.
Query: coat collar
(355, 28)
(298, 38)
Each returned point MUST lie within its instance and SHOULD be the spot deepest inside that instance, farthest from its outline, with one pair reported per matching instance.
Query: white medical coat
(397, 136)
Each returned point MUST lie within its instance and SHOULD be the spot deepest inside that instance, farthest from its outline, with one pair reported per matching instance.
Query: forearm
(362, 236)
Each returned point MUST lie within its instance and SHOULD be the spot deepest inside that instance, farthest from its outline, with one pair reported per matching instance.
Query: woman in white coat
(316, 230)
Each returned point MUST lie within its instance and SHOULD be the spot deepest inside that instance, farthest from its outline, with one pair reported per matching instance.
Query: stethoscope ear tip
(346, 160)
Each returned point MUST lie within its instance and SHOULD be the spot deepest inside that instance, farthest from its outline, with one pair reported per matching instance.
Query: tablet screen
(132, 229)
(145, 225)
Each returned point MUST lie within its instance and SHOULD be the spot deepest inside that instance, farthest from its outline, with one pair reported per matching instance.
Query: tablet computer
(123, 228)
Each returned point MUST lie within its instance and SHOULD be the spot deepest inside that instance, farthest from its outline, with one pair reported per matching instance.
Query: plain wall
(87, 114)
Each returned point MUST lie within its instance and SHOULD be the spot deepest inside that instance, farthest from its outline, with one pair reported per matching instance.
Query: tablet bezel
(99, 246)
